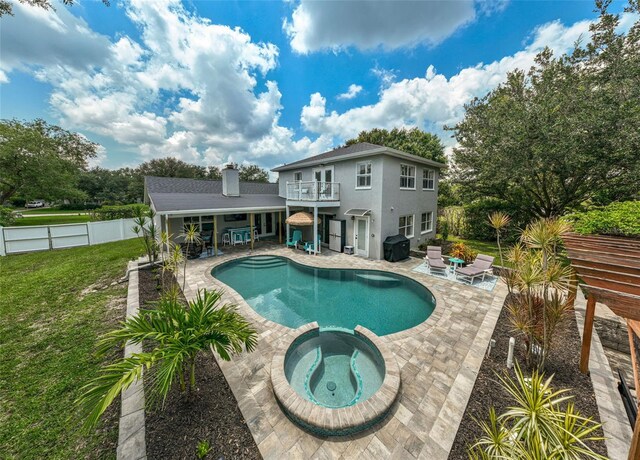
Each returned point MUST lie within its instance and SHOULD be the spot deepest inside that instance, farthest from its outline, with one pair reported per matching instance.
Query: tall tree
(413, 141)
(39, 160)
(253, 173)
(562, 133)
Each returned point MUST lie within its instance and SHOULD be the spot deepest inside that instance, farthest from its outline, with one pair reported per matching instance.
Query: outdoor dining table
(241, 230)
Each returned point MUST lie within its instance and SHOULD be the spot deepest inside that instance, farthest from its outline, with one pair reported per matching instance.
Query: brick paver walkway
(439, 360)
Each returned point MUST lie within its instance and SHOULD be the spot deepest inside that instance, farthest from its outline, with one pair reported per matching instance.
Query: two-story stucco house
(378, 191)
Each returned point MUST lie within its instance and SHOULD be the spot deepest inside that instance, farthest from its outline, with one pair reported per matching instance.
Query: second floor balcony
(313, 191)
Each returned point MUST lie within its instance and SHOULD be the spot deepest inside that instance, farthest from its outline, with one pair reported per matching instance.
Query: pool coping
(438, 360)
(331, 421)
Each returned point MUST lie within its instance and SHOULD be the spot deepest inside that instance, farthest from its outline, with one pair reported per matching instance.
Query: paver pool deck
(438, 360)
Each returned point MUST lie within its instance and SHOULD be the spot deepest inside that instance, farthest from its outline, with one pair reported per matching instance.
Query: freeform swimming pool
(293, 294)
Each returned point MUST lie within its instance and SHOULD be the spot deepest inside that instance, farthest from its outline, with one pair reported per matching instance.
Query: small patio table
(455, 263)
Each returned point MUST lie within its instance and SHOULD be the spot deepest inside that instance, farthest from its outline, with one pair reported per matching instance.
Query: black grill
(396, 248)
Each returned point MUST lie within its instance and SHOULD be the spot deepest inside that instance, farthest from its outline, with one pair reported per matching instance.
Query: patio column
(280, 227)
(215, 235)
(166, 230)
(288, 211)
(586, 335)
(251, 229)
(315, 230)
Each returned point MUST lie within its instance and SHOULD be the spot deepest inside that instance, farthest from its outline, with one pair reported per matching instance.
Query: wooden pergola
(609, 272)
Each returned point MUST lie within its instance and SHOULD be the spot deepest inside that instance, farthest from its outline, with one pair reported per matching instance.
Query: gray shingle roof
(165, 202)
(355, 149)
(180, 194)
(332, 154)
(183, 185)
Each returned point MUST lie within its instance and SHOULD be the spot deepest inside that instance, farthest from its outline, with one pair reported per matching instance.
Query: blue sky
(265, 82)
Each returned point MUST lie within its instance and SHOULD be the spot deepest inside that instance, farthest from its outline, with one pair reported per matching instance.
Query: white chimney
(230, 181)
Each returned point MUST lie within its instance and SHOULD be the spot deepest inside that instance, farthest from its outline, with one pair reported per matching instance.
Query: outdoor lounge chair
(434, 260)
(295, 239)
(480, 267)
(309, 247)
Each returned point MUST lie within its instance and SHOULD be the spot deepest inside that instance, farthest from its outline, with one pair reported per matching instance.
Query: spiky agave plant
(542, 423)
(176, 335)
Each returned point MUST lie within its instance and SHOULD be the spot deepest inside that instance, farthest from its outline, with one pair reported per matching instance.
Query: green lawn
(53, 306)
(52, 211)
(50, 220)
(489, 248)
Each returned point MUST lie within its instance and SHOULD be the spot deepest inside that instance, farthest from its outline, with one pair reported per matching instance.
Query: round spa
(335, 382)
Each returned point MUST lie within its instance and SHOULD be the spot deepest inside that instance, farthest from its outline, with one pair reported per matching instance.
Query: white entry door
(361, 236)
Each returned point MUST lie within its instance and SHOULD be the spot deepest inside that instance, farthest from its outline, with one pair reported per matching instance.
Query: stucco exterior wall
(385, 198)
(397, 202)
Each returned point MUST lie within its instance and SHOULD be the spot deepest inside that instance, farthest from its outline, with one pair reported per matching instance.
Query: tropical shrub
(462, 251)
(127, 211)
(6, 216)
(614, 219)
(543, 423)
(145, 228)
(540, 281)
(175, 335)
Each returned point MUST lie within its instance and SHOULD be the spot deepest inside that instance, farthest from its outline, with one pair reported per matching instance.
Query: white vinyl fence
(14, 240)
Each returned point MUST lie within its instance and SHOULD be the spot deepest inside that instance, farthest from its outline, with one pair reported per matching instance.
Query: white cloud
(352, 92)
(371, 24)
(37, 37)
(188, 88)
(433, 100)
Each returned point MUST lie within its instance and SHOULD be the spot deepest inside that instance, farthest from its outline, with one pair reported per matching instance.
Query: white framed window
(363, 175)
(426, 222)
(407, 177)
(297, 176)
(405, 226)
(428, 179)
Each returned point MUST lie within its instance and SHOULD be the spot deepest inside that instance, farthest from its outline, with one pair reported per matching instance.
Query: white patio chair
(237, 238)
(225, 239)
(256, 236)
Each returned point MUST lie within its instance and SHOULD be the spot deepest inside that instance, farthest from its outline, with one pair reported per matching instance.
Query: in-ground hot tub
(335, 381)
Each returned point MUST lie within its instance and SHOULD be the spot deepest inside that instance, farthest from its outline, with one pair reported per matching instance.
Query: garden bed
(210, 414)
(487, 392)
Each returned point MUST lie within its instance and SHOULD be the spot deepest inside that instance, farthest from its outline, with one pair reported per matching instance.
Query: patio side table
(455, 263)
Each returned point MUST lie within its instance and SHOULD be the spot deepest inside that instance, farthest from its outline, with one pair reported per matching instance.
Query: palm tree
(145, 228)
(499, 221)
(177, 336)
(191, 235)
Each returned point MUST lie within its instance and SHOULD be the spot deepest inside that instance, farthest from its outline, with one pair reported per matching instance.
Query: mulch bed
(211, 413)
(563, 362)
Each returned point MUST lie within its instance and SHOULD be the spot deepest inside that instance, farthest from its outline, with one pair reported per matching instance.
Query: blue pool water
(333, 368)
(292, 294)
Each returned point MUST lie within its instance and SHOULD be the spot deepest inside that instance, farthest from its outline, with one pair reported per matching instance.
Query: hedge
(620, 219)
(119, 212)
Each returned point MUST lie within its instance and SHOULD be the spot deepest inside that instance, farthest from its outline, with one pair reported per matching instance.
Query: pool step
(377, 280)
(263, 262)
